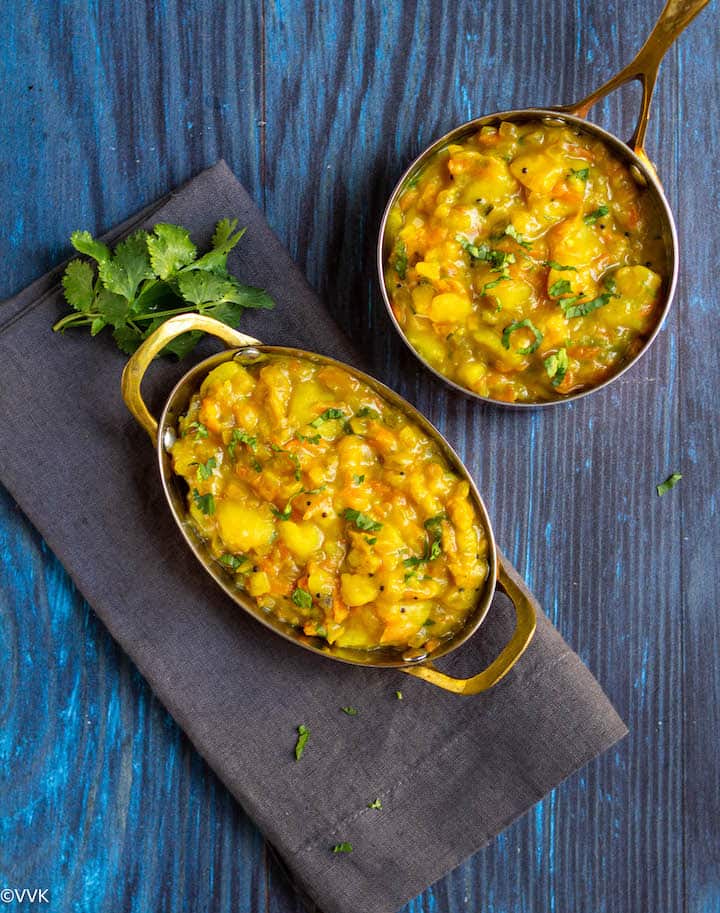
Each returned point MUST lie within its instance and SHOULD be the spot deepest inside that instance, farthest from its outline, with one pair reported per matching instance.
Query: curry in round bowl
(330, 508)
(523, 261)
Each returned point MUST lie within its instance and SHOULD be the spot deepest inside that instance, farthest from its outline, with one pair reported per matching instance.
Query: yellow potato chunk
(358, 589)
(537, 171)
(242, 528)
(303, 539)
(449, 308)
(305, 398)
(638, 288)
(258, 583)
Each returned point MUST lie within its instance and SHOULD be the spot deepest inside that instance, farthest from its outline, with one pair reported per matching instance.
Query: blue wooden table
(317, 107)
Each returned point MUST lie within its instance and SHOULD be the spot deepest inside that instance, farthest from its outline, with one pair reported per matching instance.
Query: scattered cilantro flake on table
(150, 277)
(399, 695)
(375, 804)
(351, 711)
(344, 847)
(669, 483)
(303, 736)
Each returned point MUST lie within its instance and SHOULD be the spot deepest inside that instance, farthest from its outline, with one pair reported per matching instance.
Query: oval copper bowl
(163, 432)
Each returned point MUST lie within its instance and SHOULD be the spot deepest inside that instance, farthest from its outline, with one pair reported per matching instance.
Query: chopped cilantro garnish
(518, 325)
(351, 711)
(490, 285)
(205, 503)
(556, 366)
(362, 521)
(358, 480)
(199, 429)
(669, 483)
(553, 264)
(205, 470)
(399, 695)
(592, 217)
(233, 561)
(376, 803)
(401, 259)
(513, 233)
(371, 540)
(302, 598)
(367, 412)
(344, 847)
(570, 309)
(283, 514)
(581, 174)
(561, 287)
(326, 416)
(498, 259)
(239, 436)
(303, 736)
(308, 439)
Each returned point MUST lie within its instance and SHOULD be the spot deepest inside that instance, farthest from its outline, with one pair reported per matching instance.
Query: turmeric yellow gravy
(524, 263)
(332, 509)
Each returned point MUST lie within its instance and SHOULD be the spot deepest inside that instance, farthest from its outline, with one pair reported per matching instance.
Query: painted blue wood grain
(318, 107)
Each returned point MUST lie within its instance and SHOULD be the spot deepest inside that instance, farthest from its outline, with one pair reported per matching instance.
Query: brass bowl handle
(525, 623)
(135, 369)
(675, 17)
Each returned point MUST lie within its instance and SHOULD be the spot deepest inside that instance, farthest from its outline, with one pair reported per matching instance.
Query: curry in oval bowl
(524, 263)
(331, 508)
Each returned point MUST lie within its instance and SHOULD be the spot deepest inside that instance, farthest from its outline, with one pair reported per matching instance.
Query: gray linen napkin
(451, 772)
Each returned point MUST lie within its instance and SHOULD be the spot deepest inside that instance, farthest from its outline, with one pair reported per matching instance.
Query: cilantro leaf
(344, 847)
(205, 470)
(239, 436)
(182, 345)
(513, 233)
(401, 259)
(127, 339)
(561, 287)
(233, 561)
(376, 803)
(517, 325)
(303, 736)
(556, 366)
(198, 429)
(553, 264)
(199, 287)
(170, 248)
(84, 242)
(399, 695)
(326, 416)
(302, 598)
(358, 480)
(351, 711)
(367, 412)
(669, 483)
(205, 503)
(592, 217)
(581, 174)
(125, 270)
(77, 284)
(362, 521)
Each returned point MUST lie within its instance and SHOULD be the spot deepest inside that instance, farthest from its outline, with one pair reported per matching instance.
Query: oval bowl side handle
(525, 624)
(139, 362)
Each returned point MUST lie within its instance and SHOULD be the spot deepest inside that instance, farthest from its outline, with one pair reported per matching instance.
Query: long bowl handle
(138, 364)
(525, 623)
(675, 17)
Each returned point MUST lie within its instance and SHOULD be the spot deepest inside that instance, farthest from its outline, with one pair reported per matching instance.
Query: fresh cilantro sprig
(150, 277)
